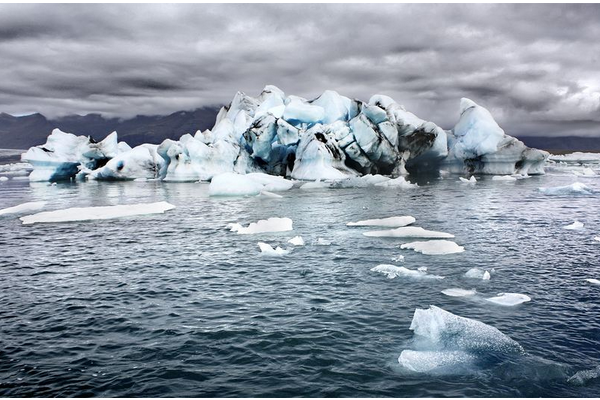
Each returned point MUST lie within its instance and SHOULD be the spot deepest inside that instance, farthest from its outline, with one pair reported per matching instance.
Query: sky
(535, 67)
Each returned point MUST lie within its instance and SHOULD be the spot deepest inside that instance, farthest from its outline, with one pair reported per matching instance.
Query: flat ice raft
(409, 232)
(95, 213)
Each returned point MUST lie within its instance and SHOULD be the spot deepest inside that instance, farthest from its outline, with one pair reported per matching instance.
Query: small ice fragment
(593, 281)
(486, 276)
(597, 238)
(272, 224)
(393, 271)
(509, 299)
(400, 182)
(394, 222)
(315, 185)
(399, 258)
(506, 178)
(575, 188)
(297, 241)
(22, 208)
(3, 178)
(478, 273)
(408, 232)
(323, 242)
(265, 193)
(457, 292)
(574, 226)
(434, 247)
(471, 180)
(266, 249)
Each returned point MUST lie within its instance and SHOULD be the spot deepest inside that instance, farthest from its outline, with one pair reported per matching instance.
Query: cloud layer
(534, 66)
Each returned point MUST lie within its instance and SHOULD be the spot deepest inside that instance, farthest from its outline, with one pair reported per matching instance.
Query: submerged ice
(328, 138)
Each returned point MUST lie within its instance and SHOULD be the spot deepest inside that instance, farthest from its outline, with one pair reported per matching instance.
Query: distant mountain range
(30, 130)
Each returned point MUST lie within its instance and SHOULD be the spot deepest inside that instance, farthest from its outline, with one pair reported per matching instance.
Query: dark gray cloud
(534, 66)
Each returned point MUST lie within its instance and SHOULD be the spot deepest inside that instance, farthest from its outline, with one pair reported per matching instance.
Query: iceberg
(457, 292)
(509, 299)
(24, 208)
(409, 232)
(434, 247)
(97, 213)
(272, 224)
(574, 226)
(140, 162)
(478, 273)
(443, 339)
(575, 188)
(267, 250)
(392, 271)
(297, 241)
(389, 222)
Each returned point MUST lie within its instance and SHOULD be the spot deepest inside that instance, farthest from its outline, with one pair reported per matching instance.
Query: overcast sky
(536, 67)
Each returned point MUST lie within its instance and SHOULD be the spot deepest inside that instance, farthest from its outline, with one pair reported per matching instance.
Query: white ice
(96, 213)
(388, 222)
(267, 250)
(575, 188)
(273, 224)
(574, 226)
(323, 242)
(472, 180)
(478, 273)
(505, 178)
(297, 241)
(409, 232)
(509, 299)
(232, 184)
(425, 361)
(457, 292)
(434, 247)
(399, 182)
(392, 271)
(3, 178)
(593, 281)
(23, 208)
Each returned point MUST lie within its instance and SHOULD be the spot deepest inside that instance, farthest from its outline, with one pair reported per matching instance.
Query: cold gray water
(177, 305)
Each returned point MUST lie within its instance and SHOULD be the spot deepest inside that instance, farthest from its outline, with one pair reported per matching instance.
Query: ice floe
(593, 281)
(574, 226)
(97, 213)
(323, 242)
(505, 178)
(457, 292)
(444, 341)
(297, 241)
(392, 271)
(273, 224)
(509, 299)
(399, 182)
(472, 180)
(24, 208)
(252, 184)
(434, 247)
(574, 188)
(478, 273)
(266, 249)
(389, 222)
(409, 232)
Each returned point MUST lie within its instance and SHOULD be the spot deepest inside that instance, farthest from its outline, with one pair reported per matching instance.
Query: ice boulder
(142, 161)
(444, 340)
(477, 144)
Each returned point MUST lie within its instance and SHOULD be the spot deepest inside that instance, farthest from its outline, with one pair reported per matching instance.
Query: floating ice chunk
(399, 182)
(509, 299)
(575, 188)
(478, 273)
(3, 178)
(593, 281)
(441, 337)
(95, 213)
(457, 292)
(506, 178)
(471, 180)
(390, 221)
(425, 361)
(574, 226)
(315, 185)
(434, 247)
(399, 258)
(393, 271)
(271, 195)
(231, 184)
(297, 241)
(323, 242)
(23, 208)
(409, 232)
(272, 224)
(266, 249)
(142, 161)
(582, 377)
(270, 183)
(597, 238)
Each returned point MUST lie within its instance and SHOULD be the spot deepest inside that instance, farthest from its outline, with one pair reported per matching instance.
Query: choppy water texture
(177, 305)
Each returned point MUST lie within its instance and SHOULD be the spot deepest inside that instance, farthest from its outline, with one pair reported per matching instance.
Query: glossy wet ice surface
(177, 305)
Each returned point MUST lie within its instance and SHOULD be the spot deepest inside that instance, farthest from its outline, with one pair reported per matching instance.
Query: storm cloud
(534, 66)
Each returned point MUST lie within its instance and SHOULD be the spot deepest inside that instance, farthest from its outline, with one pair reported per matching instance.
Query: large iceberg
(329, 138)
(444, 340)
